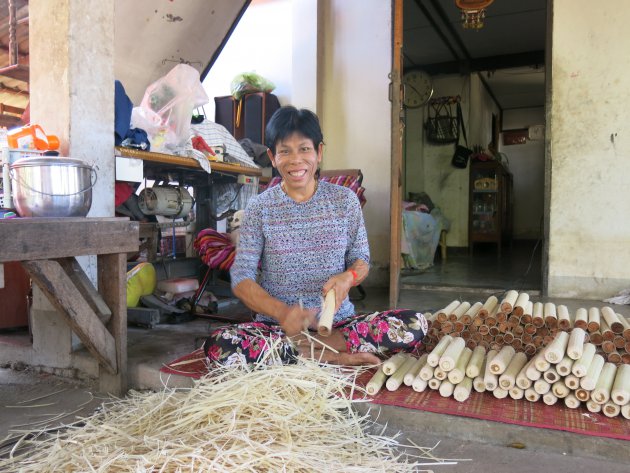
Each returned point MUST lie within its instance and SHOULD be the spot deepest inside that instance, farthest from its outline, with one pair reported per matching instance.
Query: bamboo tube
(324, 327)
(582, 394)
(507, 380)
(434, 357)
(596, 338)
(396, 379)
(608, 346)
(471, 312)
(626, 326)
(572, 402)
(541, 362)
(443, 314)
(520, 304)
(491, 319)
(531, 395)
(507, 304)
(593, 406)
(581, 318)
(550, 398)
(500, 362)
(530, 349)
(391, 365)
(439, 373)
(476, 361)
(625, 411)
(488, 307)
(610, 409)
(625, 358)
(612, 320)
(576, 343)
(620, 393)
(435, 383)
(551, 375)
(541, 386)
(453, 351)
(564, 367)
(528, 311)
(592, 375)
(531, 371)
(508, 338)
(522, 381)
(601, 393)
(516, 393)
(619, 341)
(581, 365)
(460, 310)
(572, 381)
(479, 384)
(557, 349)
(606, 331)
(419, 384)
(457, 374)
(415, 369)
(489, 378)
(376, 382)
(426, 373)
(549, 312)
(614, 357)
(560, 389)
(500, 393)
(538, 315)
(564, 320)
(484, 329)
(462, 390)
(593, 319)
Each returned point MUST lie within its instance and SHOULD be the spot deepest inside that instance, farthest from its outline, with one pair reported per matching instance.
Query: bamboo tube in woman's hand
(324, 328)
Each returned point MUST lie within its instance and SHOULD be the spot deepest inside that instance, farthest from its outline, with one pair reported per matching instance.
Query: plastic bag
(167, 106)
(250, 82)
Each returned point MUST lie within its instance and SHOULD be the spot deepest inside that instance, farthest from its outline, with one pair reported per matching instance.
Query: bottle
(32, 137)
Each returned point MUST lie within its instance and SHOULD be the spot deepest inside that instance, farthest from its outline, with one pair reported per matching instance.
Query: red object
(355, 277)
(14, 296)
(200, 145)
(122, 191)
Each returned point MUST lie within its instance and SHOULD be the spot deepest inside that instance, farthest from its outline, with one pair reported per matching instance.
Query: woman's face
(296, 160)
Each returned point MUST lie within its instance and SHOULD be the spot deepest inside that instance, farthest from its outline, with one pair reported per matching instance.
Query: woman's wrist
(354, 276)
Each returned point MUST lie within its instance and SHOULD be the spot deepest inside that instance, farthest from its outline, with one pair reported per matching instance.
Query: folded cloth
(215, 249)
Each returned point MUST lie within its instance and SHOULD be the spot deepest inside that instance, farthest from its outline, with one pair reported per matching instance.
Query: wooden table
(47, 248)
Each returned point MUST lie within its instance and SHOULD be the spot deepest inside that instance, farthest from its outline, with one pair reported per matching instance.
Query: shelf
(16, 72)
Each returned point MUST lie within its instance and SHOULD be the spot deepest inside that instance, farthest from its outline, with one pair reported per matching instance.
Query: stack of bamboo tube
(514, 347)
(528, 326)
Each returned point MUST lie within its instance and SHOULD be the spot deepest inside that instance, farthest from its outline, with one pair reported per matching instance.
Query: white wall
(261, 43)
(589, 145)
(527, 165)
(356, 109)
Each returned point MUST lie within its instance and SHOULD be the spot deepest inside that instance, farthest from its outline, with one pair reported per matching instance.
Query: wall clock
(418, 88)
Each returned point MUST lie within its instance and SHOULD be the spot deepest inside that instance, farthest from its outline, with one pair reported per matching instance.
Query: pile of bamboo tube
(565, 358)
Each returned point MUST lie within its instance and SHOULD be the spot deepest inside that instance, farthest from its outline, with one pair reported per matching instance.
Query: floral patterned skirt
(381, 333)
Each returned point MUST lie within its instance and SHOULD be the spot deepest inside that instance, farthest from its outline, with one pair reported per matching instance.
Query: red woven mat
(479, 405)
(510, 411)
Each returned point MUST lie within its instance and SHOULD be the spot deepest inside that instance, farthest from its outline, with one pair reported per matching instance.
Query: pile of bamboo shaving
(269, 418)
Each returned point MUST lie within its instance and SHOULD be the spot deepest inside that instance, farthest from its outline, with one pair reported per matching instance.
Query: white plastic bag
(167, 106)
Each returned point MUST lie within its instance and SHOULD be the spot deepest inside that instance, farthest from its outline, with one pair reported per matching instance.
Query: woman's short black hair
(288, 120)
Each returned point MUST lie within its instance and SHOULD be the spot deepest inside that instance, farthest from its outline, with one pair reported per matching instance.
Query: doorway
(497, 74)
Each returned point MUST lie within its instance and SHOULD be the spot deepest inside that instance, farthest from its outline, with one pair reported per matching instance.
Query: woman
(308, 238)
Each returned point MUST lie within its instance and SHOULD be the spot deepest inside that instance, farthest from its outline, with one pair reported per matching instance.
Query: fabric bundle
(215, 249)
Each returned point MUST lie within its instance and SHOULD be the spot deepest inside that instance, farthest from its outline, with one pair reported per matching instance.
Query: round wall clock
(418, 88)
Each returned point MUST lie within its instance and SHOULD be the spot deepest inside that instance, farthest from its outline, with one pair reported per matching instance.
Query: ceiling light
(473, 12)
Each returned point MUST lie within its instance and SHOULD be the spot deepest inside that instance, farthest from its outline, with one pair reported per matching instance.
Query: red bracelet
(355, 277)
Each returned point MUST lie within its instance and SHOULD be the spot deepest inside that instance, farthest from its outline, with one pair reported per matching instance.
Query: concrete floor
(485, 443)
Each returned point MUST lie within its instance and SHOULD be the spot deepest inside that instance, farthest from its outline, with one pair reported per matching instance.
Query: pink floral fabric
(381, 333)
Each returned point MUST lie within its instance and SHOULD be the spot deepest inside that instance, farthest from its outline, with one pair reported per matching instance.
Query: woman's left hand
(341, 283)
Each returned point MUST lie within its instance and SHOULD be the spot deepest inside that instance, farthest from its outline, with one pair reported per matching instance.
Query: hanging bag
(441, 126)
(462, 153)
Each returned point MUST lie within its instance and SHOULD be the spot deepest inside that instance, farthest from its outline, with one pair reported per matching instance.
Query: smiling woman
(308, 238)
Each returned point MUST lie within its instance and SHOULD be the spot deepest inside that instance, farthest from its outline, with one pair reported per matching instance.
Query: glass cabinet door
(484, 205)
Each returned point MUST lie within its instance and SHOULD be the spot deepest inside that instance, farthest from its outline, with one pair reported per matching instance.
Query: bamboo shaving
(272, 418)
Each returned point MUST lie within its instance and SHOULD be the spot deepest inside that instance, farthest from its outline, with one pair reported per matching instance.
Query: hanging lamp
(473, 12)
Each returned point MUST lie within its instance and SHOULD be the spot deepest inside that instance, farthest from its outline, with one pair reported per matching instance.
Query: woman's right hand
(295, 319)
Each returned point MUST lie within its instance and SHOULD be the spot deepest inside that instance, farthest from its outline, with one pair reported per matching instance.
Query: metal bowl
(52, 186)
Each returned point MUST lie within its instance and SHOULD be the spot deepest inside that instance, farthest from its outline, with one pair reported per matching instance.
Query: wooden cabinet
(490, 204)
(247, 118)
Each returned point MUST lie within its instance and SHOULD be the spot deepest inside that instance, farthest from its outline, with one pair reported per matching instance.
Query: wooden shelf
(186, 162)
(16, 72)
